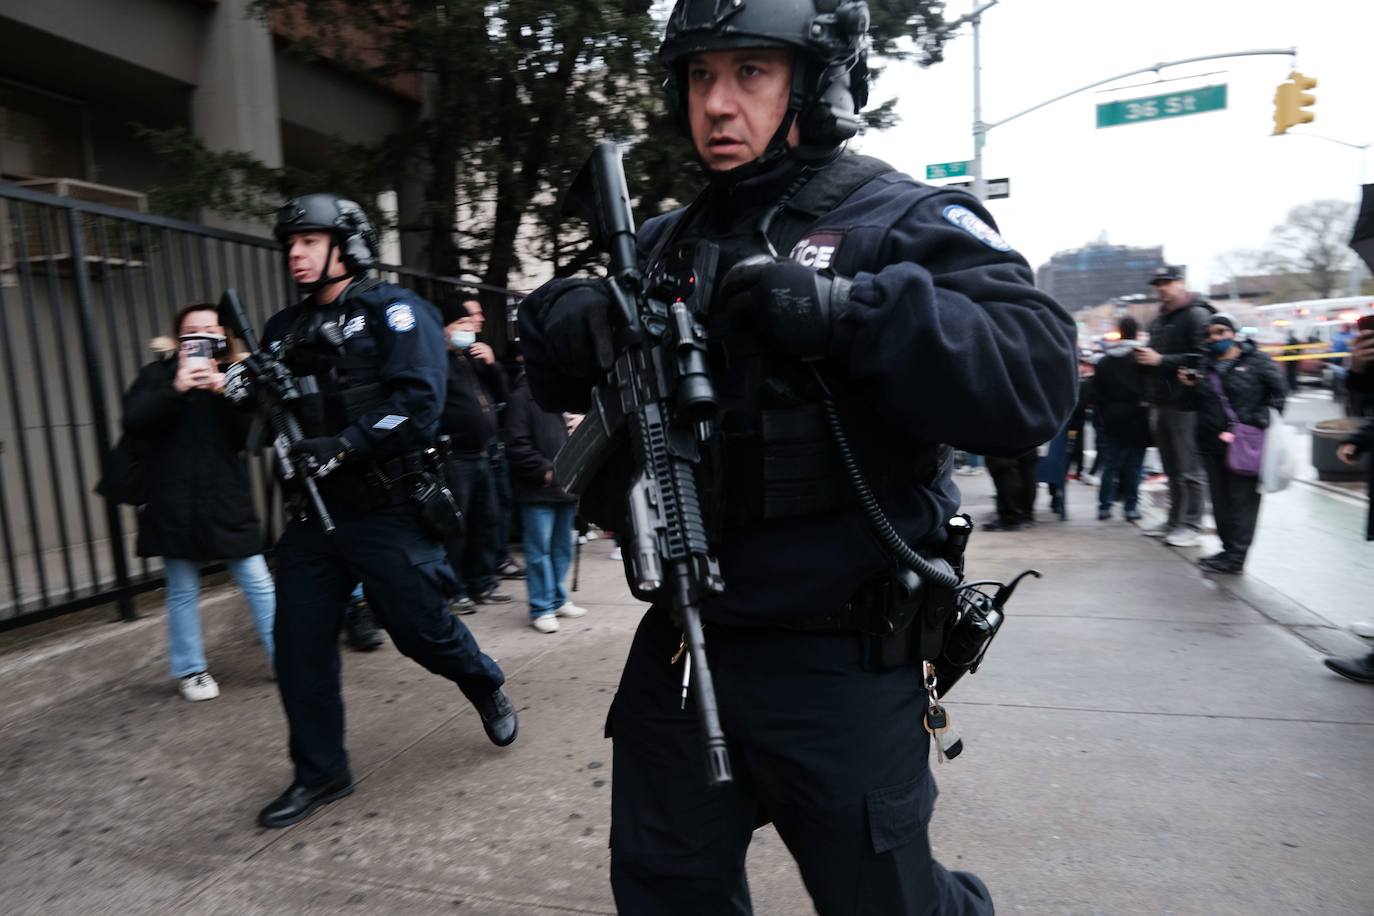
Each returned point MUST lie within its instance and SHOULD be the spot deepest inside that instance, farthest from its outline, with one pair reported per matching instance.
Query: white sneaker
(1091, 480)
(1157, 531)
(591, 534)
(197, 687)
(570, 610)
(1363, 629)
(545, 623)
(616, 555)
(1183, 537)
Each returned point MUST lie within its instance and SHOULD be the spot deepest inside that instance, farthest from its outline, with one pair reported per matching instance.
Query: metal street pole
(979, 186)
(979, 128)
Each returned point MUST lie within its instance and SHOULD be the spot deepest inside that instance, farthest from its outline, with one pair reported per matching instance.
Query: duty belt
(862, 614)
(401, 466)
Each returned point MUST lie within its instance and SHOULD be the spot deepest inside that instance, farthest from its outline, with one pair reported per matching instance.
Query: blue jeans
(184, 646)
(1121, 466)
(548, 553)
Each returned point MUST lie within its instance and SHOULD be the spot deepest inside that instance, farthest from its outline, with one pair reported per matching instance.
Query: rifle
(657, 393)
(280, 389)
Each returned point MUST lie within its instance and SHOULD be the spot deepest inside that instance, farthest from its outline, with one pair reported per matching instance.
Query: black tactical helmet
(343, 219)
(829, 79)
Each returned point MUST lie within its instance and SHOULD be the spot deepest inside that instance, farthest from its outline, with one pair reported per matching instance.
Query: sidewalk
(1141, 740)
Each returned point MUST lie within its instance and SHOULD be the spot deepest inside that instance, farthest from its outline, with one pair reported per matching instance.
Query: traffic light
(1290, 101)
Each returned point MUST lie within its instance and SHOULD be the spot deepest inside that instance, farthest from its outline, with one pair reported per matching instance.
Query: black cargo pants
(833, 755)
(405, 575)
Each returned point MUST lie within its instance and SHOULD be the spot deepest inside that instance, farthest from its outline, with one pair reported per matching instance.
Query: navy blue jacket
(397, 338)
(947, 340)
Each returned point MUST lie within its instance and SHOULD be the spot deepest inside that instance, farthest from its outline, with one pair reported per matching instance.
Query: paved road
(1142, 740)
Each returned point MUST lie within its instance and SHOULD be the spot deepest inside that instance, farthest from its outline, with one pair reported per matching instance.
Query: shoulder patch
(400, 317)
(968, 221)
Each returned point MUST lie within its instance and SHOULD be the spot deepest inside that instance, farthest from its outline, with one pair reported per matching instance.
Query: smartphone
(1365, 323)
(1192, 361)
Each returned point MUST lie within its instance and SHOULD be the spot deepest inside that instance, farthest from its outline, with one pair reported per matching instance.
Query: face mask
(461, 340)
(1219, 347)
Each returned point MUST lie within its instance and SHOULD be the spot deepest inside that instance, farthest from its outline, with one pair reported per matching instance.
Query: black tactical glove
(577, 329)
(792, 307)
(320, 456)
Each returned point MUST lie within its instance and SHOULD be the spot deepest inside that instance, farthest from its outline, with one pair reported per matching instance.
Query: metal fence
(83, 288)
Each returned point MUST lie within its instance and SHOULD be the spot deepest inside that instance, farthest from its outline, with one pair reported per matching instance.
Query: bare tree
(1312, 244)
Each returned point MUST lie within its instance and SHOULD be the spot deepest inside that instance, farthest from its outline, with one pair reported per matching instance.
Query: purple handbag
(1245, 452)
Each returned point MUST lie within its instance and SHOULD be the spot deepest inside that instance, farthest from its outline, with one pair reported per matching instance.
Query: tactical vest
(777, 458)
(345, 368)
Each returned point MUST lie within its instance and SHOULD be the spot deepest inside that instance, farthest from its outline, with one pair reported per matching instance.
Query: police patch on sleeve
(389, 422)
(968, 221)
(400, 317)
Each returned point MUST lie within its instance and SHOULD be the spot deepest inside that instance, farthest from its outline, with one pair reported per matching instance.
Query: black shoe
(998, 524)
(1104, 514)
(299, 802)
(1219, 563)
(498, 717)
(1357, 669)
(509, 569)
(492, 596)
(1132, 515)
(463, 606)
(360, 628)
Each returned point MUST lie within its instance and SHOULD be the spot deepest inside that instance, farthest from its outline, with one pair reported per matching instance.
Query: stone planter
(1326, 435)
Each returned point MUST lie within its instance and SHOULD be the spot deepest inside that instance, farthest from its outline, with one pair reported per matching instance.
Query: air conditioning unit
(46, 237)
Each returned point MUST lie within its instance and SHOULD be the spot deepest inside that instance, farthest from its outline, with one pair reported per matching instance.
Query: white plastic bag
(1279, 463)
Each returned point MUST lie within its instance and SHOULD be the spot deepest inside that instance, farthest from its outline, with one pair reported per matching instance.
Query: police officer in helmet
(926, 328)
(372, 357)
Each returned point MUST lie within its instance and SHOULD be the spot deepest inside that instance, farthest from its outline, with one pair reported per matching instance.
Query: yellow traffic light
(1290, 101)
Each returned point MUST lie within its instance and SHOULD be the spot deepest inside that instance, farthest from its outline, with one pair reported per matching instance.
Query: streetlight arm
(969, 17)
(1153, 68)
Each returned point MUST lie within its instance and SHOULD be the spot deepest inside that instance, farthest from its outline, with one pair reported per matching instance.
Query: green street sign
(948, 170)
(1155, 107)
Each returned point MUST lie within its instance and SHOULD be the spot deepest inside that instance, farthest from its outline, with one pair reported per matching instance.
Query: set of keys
(681, 653)
(948, 744)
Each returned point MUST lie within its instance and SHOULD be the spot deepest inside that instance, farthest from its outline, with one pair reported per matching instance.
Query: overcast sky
(1199, 185)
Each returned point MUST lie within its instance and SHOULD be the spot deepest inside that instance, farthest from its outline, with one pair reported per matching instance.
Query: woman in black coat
(200, 507)
(1237, 384)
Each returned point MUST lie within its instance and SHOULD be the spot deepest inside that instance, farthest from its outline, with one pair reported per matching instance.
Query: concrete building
(1098, 273)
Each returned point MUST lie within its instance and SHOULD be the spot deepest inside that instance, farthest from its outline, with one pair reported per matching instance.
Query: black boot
(1357, 669)
(498, 717)
(360, 628)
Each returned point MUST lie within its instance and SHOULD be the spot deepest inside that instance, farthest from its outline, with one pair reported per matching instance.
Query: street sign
(947, 170)
(1156, 107)
(997, 188)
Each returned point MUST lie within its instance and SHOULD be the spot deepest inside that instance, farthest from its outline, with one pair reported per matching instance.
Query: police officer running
(376, 354)
(927, 328)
